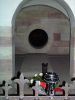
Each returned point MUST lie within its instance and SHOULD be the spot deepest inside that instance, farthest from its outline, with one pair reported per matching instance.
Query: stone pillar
(6, 67)
(72, 54)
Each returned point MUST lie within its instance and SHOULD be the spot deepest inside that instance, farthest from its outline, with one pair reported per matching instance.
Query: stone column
(6, 67)
(72, 54)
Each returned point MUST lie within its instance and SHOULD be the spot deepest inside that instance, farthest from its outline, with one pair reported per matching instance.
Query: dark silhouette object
(1, 85)
(44, 67)
(17, 76)
(73, 79)
(63, 84)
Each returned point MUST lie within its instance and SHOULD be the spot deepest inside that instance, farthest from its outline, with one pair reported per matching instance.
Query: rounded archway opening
(19, 50)
(42, 36)
(38, 38)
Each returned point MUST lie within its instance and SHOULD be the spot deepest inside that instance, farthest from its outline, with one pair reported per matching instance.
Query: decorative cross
(66, 88)
(21, 83)
(37, 89)
(7, 87)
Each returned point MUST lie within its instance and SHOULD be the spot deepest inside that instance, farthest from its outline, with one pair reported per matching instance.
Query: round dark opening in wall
(38, 38)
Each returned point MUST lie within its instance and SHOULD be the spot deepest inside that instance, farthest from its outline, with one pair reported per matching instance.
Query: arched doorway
(29, 12)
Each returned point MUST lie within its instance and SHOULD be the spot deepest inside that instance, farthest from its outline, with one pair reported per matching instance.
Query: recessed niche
(42, 36)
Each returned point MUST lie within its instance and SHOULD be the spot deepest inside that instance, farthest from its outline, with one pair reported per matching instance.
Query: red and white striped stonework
(5, 52)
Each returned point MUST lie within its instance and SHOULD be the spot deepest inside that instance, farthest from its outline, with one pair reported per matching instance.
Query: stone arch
(63, 7)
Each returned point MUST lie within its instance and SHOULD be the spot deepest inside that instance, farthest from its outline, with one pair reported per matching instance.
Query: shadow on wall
(32, 63)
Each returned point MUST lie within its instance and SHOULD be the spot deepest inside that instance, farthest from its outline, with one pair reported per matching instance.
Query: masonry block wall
(5, 52)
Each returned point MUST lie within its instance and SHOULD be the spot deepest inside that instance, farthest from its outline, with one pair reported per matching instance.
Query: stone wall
(5, 52)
